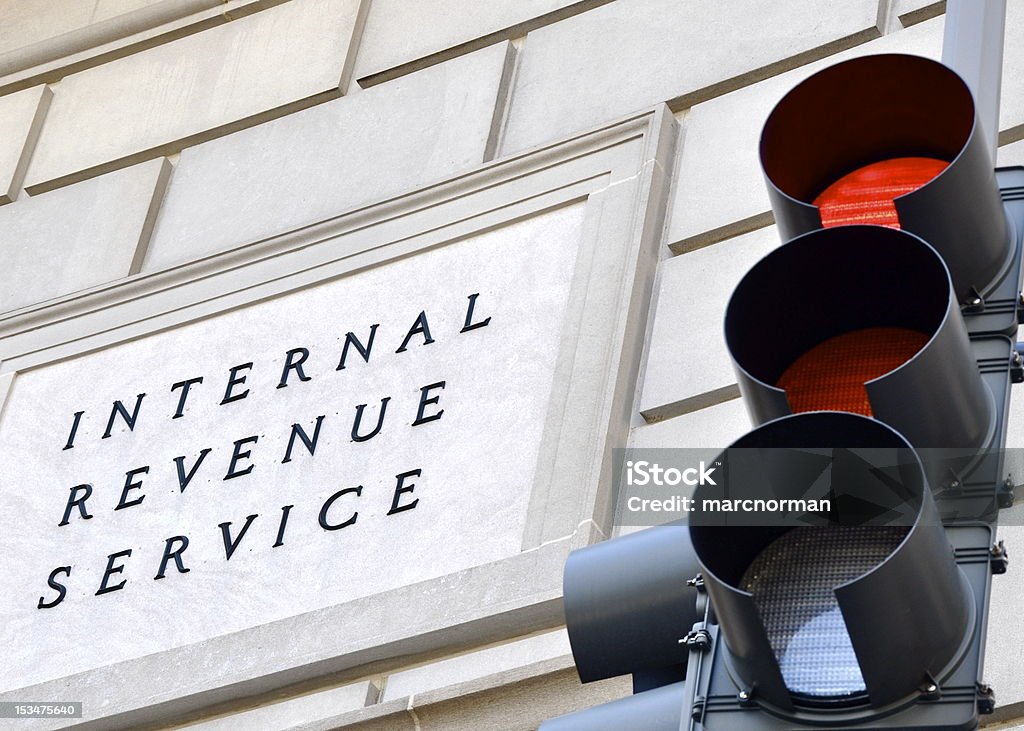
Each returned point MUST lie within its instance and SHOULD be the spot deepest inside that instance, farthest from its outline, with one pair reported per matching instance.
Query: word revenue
(360, 423)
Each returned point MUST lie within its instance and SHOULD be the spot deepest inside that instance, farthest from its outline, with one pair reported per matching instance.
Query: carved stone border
(621, 171)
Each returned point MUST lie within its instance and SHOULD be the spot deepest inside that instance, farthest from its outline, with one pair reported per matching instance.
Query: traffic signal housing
(893, 140)
(874, 353)
(860, 319)
(627, 604)
(842, 611)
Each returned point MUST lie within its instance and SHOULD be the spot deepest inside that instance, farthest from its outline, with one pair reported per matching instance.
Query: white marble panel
(476, 461)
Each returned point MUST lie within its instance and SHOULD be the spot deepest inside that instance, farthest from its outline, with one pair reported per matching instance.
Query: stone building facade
(320, 320)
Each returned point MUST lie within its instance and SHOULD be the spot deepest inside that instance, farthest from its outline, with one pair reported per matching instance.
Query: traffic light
(892, 140)
(892, 298)
(874, 351)
(626, 602)
(860, 319)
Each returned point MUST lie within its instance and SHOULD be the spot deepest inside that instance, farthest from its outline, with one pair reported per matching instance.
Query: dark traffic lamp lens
(813, 601)
(859, 319)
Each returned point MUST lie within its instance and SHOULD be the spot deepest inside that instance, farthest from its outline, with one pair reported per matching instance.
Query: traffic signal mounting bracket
(1001, 311)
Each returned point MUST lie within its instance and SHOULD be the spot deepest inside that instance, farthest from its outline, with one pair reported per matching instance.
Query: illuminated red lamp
(831, 375)
(867, 194)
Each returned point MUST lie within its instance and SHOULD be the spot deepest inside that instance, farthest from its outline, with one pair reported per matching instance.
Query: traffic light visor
(859, 319)
(890, 140)
(811, 603)
(847, 126)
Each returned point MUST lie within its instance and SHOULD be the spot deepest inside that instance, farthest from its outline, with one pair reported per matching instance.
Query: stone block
(911, 12)
(720, 190)
(1011, 154)
(31, 24)
(109, 30)
(687, 364)
(477, 664)
(714, 427)
(32, 28)
(210, 83)
(319, 162)
(79, 236)
(286, 713)
(632, 54)
(21, 117)
(31, 21)
(1011, 102)
(520, 706)
(512, 700)
(108, 9)
(395, 719)
(399, 33)
(6, 381)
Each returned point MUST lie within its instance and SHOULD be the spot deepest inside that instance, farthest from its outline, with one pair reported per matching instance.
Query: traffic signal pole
(973, 47)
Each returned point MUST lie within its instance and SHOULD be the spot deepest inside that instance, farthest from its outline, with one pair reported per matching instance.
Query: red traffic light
(861, 319)
(867, 194)
(890, 140)
(831, 375)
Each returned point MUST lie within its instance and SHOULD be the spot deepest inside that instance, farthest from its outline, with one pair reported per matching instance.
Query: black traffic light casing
(628, 602)
(715, 701)
(658, 709)
(838, 280)
(625, 601)
(886, 106)
(724, 695)
(915, 618)
(876, 484)
(952, 274)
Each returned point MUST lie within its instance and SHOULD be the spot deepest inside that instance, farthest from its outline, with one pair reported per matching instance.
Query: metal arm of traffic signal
(973, 47)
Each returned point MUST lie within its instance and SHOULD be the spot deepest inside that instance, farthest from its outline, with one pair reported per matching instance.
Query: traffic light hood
(883, 108)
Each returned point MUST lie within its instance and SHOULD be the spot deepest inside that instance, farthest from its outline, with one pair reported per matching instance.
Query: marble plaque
(280, 483)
